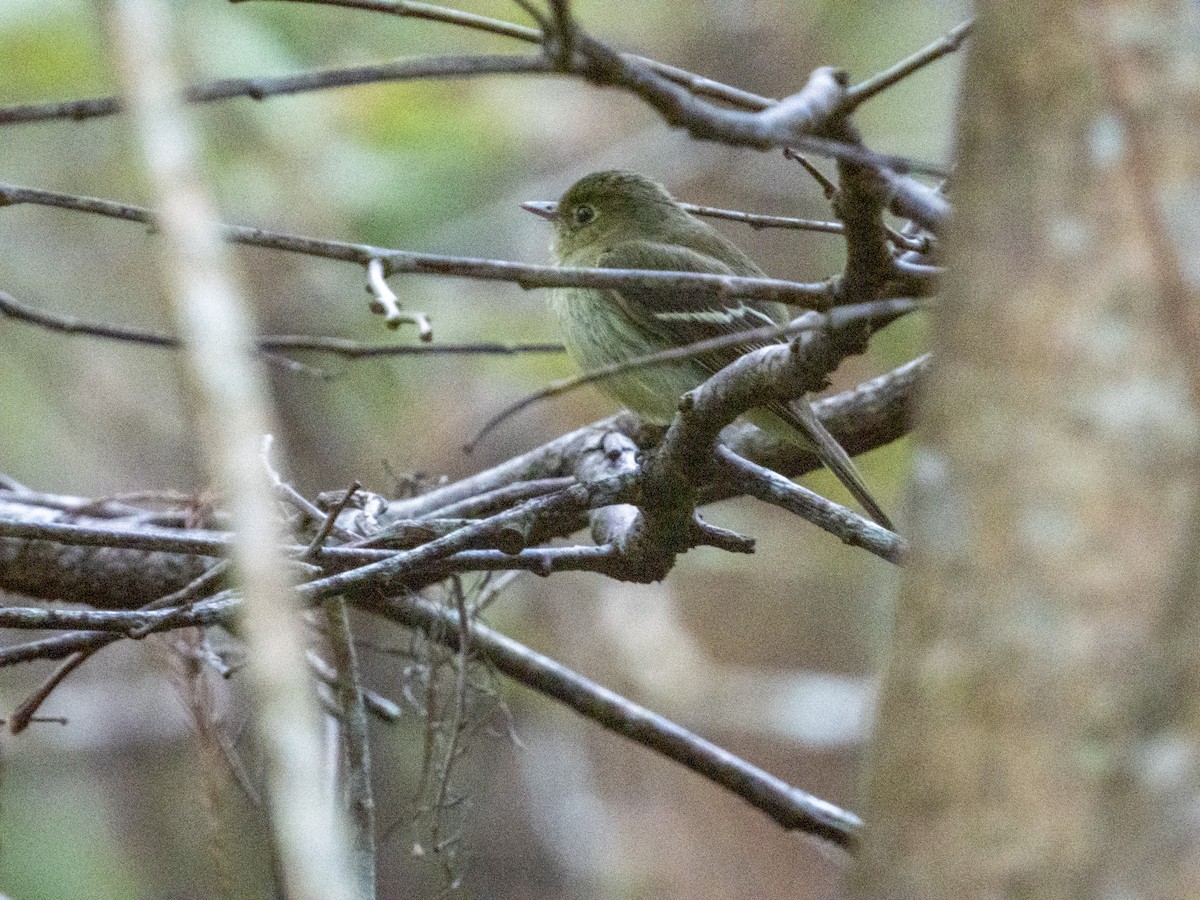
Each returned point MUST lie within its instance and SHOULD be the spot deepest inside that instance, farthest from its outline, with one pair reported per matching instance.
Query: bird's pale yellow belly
(597, 337)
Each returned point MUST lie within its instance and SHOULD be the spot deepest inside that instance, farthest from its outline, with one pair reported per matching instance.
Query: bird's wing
(687, 315)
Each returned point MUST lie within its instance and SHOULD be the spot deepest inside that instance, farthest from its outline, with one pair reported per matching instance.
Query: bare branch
(882, 312)
(799, 120)
(796, 121)
(11, 307)
(328, 526)
(790, 807)
(90, 643)
(563, 32)
(432, 13)
(352, 706)
(356, 350)
(771, 487)
(384, 301)
(214, 611)
(758, 220)
(870, 415)
(754, 220)
(911, 199)
(697, 84)
(491, 502)
(54, 558)
(379, 706)
(860, 203)
(950, 43)
(813, 296)
(261, 88)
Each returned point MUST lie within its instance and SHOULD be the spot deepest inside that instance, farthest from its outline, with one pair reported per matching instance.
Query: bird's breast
(597, 332)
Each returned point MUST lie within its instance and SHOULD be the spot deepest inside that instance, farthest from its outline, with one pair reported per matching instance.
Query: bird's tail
(801, 417)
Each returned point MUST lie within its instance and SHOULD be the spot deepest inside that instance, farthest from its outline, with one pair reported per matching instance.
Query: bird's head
(605, 208)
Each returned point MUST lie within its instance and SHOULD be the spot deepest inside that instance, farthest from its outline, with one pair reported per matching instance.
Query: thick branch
(54, 551)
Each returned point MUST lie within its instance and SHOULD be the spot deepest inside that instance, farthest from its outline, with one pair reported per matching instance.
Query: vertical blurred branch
(232, 414)
(360, 799)
(1038, 734)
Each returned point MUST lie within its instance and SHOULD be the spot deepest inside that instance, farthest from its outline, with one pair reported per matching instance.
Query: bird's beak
(547, 209)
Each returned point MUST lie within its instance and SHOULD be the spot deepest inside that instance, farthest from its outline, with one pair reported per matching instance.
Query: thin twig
(26, 712)
(352, 705)
(490, 502)
(261, 88)
(355, 350)
(380, 707)
(283, 489)
(331, 515)
(458, 716)
(196, 542)
(950, 43)
(385, 301)
(851, 528)
(828, 188)
(759, 220)
(662, 357)
(433, 13)
(811, 322)
(754, 220)
(349, 349)
(813, 296)
(215, 610)
(492, 588)
(545, 26)
(188, 668)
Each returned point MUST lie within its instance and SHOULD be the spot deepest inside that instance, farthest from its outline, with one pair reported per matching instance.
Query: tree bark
(1039, 728)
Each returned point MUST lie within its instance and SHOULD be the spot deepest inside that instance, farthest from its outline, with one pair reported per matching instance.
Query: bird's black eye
(584, 214)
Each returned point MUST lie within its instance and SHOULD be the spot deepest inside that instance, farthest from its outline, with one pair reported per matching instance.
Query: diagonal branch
(945, 45)
(791, 807)
(771, 487)
(870, 316)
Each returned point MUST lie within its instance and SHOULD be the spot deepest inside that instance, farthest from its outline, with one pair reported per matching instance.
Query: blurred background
(771, 655)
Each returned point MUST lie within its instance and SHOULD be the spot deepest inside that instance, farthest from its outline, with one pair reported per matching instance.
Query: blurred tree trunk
(1039, 729)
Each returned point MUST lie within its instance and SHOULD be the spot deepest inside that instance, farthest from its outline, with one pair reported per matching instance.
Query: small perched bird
(620, 220)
